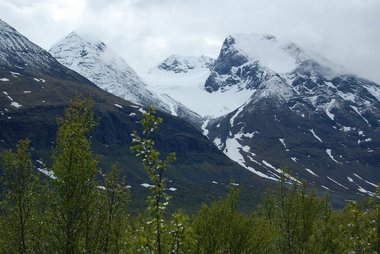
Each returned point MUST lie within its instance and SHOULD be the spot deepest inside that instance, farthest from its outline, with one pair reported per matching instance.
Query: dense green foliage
(73, 213)
(19, 208)
(73, 191)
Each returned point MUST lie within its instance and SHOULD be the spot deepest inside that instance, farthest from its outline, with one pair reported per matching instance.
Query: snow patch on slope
(44, 170)
(336, 182)
(315, 135)
(328, 108)
(218, 143)
(358, 112)
(232, 119)
(204, 127)
(311, 172)
(280, 171)
(282, 140)
(233, 150)
(6, 94)
(362, 190)
(15, 104)
(328, 151)
(368, 182)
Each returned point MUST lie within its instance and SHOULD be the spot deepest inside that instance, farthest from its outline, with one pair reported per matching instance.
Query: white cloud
(146, 31)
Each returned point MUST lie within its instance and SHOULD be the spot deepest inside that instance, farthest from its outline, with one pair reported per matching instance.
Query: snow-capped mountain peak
(94, 60)
(183, 64)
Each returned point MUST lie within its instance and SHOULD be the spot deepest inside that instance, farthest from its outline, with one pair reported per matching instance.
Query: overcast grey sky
(146, 31)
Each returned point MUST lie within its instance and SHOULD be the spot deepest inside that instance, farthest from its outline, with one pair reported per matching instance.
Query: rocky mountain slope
(321, 125)
(34, 90)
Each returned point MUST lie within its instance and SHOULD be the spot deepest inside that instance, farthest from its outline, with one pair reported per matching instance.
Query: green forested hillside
(74, 212)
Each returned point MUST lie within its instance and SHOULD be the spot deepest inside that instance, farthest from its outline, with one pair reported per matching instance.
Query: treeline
(73, 213)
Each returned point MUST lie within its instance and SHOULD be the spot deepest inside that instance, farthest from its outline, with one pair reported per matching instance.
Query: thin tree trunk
(378, 229)
(158, 228)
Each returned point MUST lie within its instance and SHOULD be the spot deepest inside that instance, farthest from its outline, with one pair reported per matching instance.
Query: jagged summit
(278, 56)
(278, 71)
(246, 59)
(183, 64)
